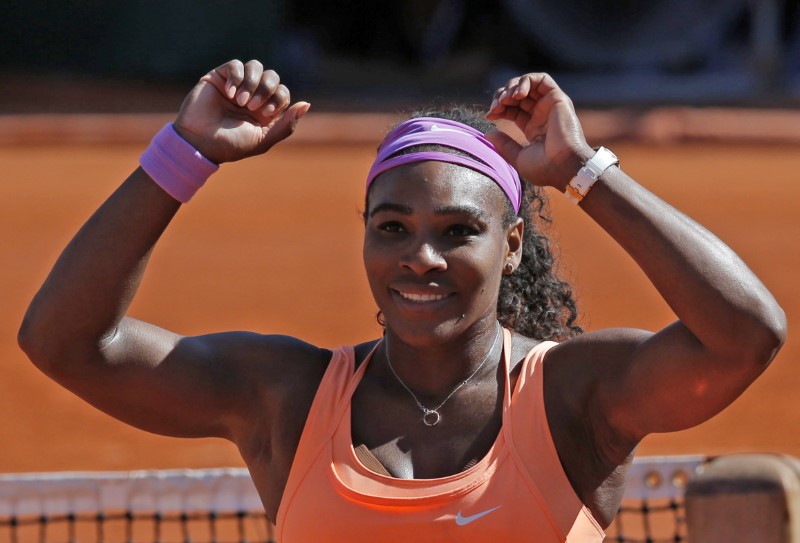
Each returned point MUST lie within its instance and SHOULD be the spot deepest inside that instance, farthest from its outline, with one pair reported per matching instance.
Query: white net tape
(225, 490)
(661, 477)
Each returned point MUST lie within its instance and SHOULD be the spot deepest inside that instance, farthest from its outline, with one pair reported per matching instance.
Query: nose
(423, 257)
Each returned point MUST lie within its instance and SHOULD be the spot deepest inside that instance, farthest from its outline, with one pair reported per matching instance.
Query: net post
(745, 498)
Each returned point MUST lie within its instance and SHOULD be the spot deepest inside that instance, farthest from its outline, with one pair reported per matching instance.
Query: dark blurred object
(613, 34)
(418, 32)
(665, 51)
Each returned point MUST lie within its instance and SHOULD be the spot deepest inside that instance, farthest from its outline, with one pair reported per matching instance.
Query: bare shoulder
(572, 367)
(268, 375)
(275, 380)
(595, 353)
(271, 363)
(277, 358)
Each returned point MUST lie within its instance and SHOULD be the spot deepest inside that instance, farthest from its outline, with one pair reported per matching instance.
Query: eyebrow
(473, 211)
(386, 206)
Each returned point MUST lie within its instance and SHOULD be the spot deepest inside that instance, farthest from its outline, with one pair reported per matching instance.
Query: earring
(508, 269)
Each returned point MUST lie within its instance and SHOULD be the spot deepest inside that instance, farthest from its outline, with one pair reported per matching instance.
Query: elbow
(778, 332)
(751, 339)
(42, 344)
(58, 352)
(768, 336)
(60, 348)
(57, 361)
(32, 342)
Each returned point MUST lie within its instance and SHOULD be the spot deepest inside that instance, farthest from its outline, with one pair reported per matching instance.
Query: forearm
(235, 111)
(94, 280)
(714, 294)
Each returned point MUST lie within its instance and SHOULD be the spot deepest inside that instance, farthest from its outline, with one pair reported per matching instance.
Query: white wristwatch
(580, 185)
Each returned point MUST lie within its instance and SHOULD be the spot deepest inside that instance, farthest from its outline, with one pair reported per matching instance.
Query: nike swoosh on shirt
(463, 521)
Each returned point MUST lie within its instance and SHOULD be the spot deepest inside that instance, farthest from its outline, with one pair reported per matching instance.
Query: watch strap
(580, 185)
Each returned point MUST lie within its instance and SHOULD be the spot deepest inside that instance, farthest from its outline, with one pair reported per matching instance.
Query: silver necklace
(431, 417)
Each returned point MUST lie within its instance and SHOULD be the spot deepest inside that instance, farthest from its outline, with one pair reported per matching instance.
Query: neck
(432, 370)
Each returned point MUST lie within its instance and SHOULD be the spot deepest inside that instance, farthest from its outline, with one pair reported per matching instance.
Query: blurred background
(358, 55)
(698, 97)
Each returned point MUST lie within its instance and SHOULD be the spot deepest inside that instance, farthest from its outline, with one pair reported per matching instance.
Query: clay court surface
(272, 245)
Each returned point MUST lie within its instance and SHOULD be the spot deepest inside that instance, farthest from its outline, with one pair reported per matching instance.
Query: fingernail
(302, 112)
(269, 109)
(231, 91)
(243, 98)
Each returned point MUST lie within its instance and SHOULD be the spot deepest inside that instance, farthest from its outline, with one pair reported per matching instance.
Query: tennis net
(189, 506)
(222, 506)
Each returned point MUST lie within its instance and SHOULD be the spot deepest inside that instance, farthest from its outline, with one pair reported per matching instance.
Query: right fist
(236, 111)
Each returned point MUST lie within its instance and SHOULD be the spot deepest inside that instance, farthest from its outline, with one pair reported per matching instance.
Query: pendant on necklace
(431, 417)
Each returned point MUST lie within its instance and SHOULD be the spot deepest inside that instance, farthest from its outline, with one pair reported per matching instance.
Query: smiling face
(434, 249)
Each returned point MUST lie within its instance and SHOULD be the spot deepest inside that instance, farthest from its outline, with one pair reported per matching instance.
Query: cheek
(376, 259)
(479, 265)
(491, 263)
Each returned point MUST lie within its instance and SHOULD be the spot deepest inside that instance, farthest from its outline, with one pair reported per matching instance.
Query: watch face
(601, 160)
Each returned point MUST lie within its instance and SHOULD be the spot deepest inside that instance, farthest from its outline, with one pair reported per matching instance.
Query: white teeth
(422, 297)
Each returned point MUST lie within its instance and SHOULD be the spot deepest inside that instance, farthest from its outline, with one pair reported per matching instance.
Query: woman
(450, 427)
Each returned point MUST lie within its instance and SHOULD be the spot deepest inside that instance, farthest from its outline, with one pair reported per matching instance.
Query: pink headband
(433, 131)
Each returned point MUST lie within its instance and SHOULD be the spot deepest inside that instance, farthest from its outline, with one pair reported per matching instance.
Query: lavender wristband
(175, 165)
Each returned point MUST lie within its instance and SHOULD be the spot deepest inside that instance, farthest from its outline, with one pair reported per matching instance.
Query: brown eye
(391, 227)
(461, 231)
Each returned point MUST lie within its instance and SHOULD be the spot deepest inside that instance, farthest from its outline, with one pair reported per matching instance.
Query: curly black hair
(533, 301)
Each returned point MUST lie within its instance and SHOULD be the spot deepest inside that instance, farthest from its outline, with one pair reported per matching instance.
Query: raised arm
(729, 326)
(75, 329)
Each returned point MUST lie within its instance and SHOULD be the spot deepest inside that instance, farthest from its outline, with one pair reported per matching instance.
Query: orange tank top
(517, 492)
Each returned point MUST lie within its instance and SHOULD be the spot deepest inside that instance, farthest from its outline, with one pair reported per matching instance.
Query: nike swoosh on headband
(481, 155)
(437, 128)
(463, 521)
